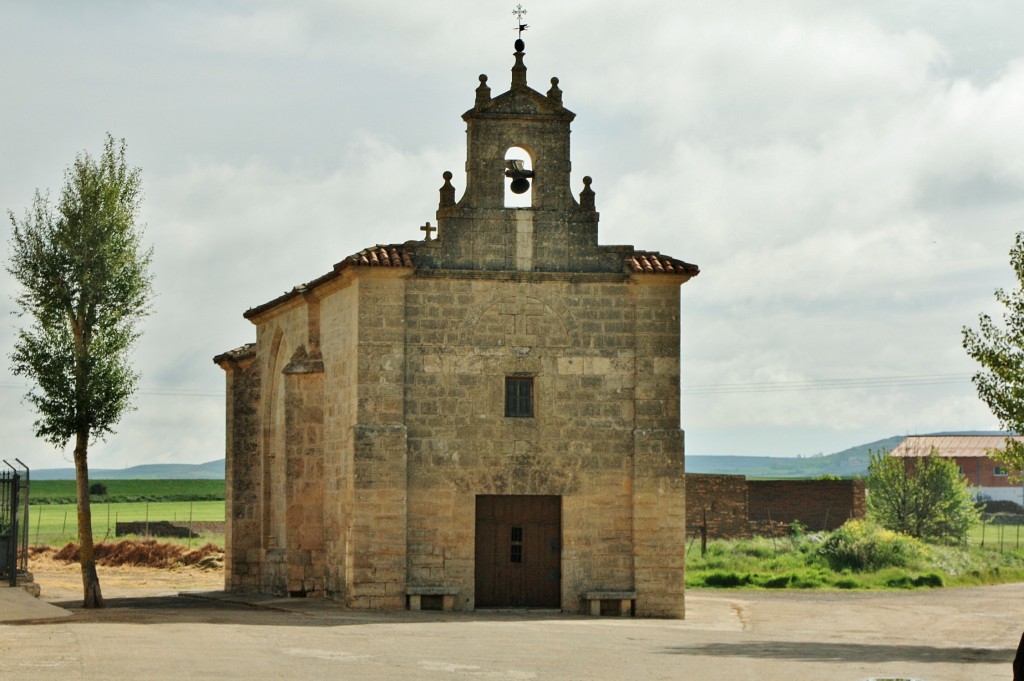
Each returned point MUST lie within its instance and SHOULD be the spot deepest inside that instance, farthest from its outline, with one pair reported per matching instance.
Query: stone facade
(370, 416)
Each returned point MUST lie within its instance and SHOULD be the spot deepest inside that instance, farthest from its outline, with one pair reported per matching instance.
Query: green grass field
(55, 525)
(63, 491)
(798, 562)
(998, 537)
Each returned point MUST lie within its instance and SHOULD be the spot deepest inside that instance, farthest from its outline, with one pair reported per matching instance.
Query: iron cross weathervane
(519, 12)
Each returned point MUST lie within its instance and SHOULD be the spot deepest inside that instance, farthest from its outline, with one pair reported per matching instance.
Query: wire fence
(999, 531)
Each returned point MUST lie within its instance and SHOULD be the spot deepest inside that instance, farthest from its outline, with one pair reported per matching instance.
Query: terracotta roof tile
(394, 255)
(647, 262)
(381, 256)
(950, 445)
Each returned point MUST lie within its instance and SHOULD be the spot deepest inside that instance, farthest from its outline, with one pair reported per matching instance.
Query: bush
(863, 546)
(925, 497)
(97, 489)
(932, 579)
(808, 580)
(780, 582)
(726, 580)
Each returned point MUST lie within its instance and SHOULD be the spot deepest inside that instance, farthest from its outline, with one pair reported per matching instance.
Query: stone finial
(447, 190)
(483, 92)
(554, 93)
(519, 69)
(587, 195)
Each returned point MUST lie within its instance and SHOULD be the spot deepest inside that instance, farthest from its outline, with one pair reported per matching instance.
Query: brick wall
(722, 500)
(737, 507)
(818, 504)
(980, 471)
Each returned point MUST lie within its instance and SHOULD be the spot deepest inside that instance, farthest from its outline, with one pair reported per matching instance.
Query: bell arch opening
(519, 187)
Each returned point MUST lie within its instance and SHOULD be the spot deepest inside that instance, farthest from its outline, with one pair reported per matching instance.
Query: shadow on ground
(844, 652)
(275, 612)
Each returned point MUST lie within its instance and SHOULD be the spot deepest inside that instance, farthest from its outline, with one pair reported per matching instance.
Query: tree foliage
(85, 285)
(999, 349)
(924, 497)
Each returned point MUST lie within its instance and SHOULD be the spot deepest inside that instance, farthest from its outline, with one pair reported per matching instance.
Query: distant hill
(845, 464)
(849, 462)
(211, 470)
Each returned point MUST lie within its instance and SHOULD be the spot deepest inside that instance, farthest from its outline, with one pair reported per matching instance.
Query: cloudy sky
(848, 176)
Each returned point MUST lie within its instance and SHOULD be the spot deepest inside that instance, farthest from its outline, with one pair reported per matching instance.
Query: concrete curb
(18, 605)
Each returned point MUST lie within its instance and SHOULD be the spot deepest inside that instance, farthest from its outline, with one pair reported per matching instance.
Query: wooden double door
(518, 551)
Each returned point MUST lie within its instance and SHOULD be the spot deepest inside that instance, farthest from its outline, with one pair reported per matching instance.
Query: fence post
(704, 534)
(12, 547)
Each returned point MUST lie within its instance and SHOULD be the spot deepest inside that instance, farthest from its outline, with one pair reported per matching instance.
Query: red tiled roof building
(987, 477)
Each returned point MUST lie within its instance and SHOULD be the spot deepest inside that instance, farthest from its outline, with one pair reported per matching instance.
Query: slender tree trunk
(90, 580)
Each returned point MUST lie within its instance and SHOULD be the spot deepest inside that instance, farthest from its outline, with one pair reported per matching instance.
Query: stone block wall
(243, 500)
(577, 339)
(339, 334)
(382, 419)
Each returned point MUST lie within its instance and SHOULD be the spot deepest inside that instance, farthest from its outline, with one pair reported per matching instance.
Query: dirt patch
(143, 553)
(129, 569)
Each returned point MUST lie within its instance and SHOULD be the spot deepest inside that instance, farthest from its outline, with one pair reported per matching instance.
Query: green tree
(924, 497)
(85, 285)
(1000, 352)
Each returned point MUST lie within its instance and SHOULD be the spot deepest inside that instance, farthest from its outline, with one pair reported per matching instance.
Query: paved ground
(941, 635)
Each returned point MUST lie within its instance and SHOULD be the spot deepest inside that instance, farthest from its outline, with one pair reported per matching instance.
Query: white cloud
(849, 178)
(261, 30)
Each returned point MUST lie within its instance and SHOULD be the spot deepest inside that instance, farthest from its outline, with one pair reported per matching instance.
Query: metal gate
(13, 523)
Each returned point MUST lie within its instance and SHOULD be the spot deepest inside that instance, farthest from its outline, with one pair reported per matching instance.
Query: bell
(520, 185)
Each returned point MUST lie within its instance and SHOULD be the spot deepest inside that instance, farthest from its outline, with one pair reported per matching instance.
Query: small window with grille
(1001, 471)
(519, 396)
(517, 545)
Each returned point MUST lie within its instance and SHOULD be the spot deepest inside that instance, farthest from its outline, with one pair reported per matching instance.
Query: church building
(487, 417)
